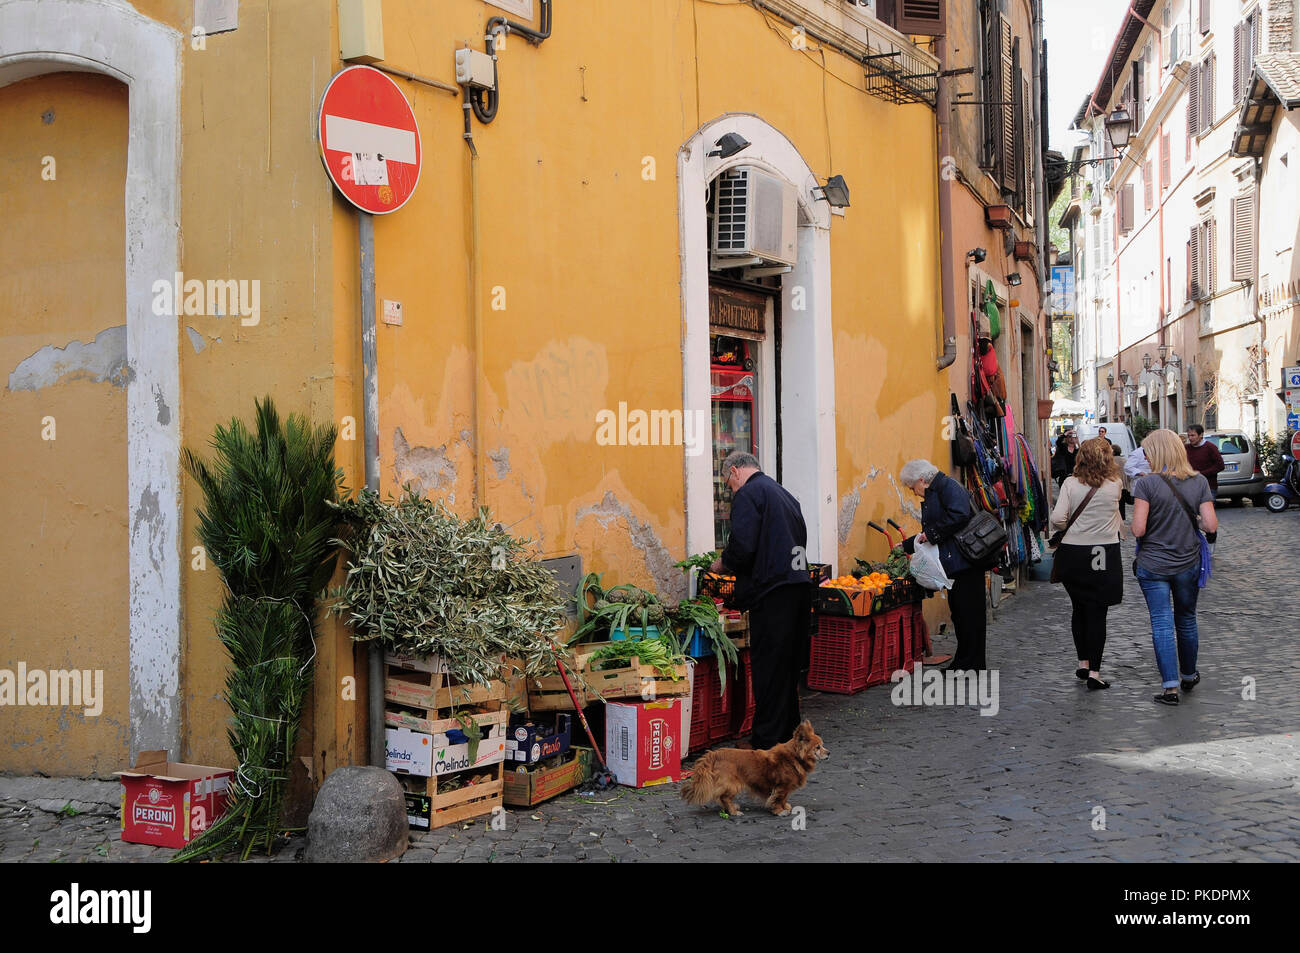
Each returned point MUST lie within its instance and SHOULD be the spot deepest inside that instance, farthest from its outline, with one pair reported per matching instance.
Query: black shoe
(1096, 683)
(1081, 674)
(1167, 698)
(1189, 684)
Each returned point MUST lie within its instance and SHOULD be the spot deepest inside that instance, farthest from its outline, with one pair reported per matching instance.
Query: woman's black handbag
(981, 540)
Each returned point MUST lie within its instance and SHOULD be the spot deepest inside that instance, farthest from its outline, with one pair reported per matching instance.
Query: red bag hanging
(988, 358)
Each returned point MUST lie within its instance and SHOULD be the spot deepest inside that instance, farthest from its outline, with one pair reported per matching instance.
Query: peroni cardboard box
(169, 803)
(643, 741)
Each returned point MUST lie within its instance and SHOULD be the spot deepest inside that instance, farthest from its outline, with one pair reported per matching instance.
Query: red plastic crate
(920, 632)
(841, 654)
(887, 643)
(705, 675)
(743, 701)
(720, 703)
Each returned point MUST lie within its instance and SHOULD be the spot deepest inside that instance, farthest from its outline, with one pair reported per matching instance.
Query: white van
(1117, 433)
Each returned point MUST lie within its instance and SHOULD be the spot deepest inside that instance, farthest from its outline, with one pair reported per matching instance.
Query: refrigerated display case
(735, 424)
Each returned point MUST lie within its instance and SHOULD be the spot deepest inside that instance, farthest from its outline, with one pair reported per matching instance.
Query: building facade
(1171, 326)
(561, 262)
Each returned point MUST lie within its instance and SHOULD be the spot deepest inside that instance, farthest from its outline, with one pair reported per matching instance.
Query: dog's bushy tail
(701, 787)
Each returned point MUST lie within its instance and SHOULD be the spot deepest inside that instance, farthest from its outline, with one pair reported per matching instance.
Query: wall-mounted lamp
(729, 145)
(835, 192)
(1014, 278)
(1110, 380)
(1124, 376)
(977, 255)
(1146, 361)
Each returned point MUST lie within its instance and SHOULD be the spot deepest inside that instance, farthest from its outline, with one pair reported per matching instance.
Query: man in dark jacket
(767, 552)
(945, 510)
(1204, 456)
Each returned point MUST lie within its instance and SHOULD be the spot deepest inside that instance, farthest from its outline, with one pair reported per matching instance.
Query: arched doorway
(109, 37)
(805, 401)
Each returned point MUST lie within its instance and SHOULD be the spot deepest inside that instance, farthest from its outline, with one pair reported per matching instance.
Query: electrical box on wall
(361, 30)
(475, 68)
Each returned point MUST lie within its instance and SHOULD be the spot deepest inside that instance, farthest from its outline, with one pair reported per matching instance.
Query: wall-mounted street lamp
(729, 145)
(1146, 361)
(1119, 129)
(835, 192)
(977, 255)
(1014, 278)
(1110, 379)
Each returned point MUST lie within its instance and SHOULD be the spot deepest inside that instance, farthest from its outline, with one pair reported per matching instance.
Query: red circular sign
(369, 141)
(1295, 444)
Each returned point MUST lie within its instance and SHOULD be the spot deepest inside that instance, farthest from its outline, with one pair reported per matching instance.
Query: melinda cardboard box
(643, 741)
(169, 803)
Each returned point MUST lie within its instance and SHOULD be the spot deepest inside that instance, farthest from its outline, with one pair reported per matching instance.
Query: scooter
(1278, 496)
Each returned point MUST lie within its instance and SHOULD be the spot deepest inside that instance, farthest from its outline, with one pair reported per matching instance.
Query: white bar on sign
(353, 135)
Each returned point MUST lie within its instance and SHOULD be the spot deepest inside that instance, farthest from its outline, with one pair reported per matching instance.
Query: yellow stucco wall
(587, 254)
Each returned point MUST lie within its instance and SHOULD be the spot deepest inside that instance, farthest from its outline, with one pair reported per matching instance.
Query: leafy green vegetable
(656, 652)
(701, 561)
(702, 613)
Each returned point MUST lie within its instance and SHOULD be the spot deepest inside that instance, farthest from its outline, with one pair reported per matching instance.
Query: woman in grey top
(1168, 563)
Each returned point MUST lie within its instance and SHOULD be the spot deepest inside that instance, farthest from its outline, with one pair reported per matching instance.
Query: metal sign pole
(370, 443)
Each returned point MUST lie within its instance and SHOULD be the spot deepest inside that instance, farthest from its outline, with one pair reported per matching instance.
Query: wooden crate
(423, 699)
(636, 680)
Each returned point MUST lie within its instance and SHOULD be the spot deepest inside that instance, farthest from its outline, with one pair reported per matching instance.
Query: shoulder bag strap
(1079, 509)
(1187, 507)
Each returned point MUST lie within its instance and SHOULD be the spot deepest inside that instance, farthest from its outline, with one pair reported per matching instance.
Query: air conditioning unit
(755, 217)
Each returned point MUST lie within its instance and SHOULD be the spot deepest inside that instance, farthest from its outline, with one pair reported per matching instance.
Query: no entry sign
(369, 141)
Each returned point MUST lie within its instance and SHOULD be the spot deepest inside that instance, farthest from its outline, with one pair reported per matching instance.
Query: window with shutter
(992, 110)
(1209, 257)
(1193, 104)
(1136, 93)
(1194, 264)
(1173, 43)
(1165, 170)
(1204, 17)
(1205, 108)
(1147, 185)
(920, 17)
(1030, 164)
(1006, 96)
(1239, 41)
(1126, 209)
(1243, 236)
(1018, 115)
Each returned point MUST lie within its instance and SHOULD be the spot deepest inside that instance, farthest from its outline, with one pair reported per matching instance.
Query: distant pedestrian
(1088, 559)
(1067, 447)
(1204, 456)
(945, 510)
(1169, 504)
(767, 553)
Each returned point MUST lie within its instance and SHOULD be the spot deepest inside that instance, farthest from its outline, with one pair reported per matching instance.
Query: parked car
(1242, 475)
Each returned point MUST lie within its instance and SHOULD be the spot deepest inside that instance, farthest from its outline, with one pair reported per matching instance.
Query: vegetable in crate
(655, 652)
(602, 612)
(702, 612)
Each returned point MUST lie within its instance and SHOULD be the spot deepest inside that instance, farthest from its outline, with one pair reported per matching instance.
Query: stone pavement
(1217, 778)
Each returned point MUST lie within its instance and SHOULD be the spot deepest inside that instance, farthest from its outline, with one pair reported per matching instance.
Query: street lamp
(1110, 379)
(1123, 376)
(729, 145)
(835, 192)
(1119, 126)
(1146, 361)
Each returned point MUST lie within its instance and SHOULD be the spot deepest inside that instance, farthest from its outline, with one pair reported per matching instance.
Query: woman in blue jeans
(1168, 504)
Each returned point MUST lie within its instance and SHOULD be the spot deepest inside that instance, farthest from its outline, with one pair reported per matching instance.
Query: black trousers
(1088, 623)
(966, 602)
(778, 628)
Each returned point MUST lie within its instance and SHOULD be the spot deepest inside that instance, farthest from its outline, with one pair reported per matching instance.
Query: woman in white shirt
(1088, 559)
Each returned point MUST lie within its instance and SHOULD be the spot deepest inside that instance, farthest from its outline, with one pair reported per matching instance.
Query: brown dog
(773, 774)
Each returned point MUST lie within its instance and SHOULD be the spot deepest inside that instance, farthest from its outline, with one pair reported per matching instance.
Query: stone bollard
(359, 817)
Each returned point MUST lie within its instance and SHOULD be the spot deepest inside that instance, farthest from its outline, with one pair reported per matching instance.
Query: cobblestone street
(1217, 778)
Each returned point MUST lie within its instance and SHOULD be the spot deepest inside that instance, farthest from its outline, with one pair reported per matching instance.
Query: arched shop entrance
(757, 355)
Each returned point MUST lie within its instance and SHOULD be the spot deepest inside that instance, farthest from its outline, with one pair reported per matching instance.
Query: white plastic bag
(927, 569)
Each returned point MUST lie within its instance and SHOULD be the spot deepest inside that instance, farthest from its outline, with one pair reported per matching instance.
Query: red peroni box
(169, 803)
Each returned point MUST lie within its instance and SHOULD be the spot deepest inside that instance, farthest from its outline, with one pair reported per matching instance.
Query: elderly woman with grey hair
(945, 510)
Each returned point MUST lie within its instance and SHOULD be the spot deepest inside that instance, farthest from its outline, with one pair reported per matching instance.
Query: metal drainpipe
(943, 113)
